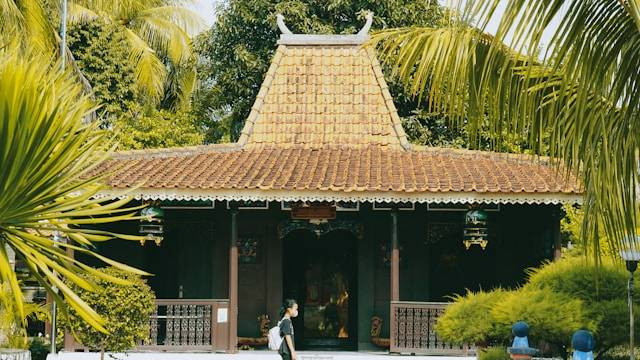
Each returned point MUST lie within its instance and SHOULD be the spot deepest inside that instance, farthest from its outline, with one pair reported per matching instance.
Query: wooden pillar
(273, 275)
(233, 284)
(395, 258)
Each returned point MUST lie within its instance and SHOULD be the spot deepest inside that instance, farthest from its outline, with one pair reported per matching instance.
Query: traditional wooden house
(324, 200)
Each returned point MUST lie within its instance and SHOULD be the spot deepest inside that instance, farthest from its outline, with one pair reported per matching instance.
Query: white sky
(205, 8)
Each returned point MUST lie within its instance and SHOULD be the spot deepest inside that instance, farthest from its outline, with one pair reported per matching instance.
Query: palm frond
(150, 71)
(163, 36)
(28, 22)
(80, 14)
(46, 155)
(184, 18)
(584, 89)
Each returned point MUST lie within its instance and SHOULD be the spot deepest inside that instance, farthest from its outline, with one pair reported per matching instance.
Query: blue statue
(582, 343)
(520, 348)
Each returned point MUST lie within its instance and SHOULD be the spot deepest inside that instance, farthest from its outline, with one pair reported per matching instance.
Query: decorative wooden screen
(187, 324)
(412, 329)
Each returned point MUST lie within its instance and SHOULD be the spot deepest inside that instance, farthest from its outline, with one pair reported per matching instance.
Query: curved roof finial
(367, 25)
(281, 25)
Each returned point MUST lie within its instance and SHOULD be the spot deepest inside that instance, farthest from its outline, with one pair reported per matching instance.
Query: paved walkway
(249, 355)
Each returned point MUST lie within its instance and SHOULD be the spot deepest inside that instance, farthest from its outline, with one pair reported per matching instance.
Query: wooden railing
(182, 325)
(188, 324)
(413, 329)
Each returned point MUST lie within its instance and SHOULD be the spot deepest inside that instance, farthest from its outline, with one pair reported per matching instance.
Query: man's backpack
(275, 340)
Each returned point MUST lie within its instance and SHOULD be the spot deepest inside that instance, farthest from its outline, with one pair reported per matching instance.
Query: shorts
(286, 356)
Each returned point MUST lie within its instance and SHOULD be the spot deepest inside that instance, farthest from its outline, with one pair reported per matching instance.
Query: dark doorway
(320, 272)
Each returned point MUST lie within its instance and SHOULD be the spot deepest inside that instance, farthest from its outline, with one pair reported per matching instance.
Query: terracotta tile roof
(338, 173)
(319, 95)
(324, 127)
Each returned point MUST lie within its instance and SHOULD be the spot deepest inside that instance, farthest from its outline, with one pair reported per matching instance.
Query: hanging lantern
(151, 224)
(475, 229)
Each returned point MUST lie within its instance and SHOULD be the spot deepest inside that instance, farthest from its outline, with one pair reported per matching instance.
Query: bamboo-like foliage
(46, 156)
(584, 89)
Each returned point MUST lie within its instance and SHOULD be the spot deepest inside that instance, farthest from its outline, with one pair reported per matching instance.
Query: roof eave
(362, 196)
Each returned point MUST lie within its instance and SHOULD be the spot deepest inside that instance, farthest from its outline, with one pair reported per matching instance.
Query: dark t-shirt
(286, 328)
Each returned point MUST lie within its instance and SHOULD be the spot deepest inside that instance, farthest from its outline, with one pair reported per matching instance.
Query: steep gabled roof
(318, 96)
(324, 127)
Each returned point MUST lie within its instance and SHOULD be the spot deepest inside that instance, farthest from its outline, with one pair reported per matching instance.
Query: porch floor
(248, 355)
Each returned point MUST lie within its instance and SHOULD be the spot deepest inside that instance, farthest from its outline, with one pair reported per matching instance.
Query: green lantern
(151, 224)
(475, 229)
(152, 214)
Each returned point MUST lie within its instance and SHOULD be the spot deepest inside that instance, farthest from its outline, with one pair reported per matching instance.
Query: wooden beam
(232, 346)
(395, 258)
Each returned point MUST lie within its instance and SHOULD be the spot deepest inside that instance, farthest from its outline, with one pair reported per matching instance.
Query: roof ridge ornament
(281, 25)
(287, 37)
(367, 25)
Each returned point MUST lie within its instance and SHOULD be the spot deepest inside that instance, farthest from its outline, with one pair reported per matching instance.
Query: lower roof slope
(373, 173)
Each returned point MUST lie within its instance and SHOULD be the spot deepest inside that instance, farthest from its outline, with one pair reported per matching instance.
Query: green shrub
(602, 289)
(612, 319)
(553, 317)
(493, 353)
(558, 299)
(583, 280)
(125, 308)
(469, 319)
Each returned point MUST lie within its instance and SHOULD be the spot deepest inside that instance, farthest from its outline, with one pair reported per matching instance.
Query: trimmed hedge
(558, 299)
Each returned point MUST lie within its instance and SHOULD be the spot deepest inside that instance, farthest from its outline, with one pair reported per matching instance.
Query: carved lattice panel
(413, 329)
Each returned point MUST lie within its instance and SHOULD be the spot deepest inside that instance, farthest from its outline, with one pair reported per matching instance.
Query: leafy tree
(138, 129)
(101, 53)
(583, 92)
(435, 129)
(236, 52)
(48, 156)
(126, 307)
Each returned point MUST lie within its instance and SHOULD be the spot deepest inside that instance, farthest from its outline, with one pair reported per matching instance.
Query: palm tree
(47, 155)
(158, 31)
(584, 89)
(27, 20)
(159, 34)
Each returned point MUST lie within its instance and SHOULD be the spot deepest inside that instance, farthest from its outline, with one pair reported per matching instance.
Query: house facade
(324, 200)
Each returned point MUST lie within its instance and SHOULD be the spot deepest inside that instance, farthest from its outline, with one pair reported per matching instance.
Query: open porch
(374, 278)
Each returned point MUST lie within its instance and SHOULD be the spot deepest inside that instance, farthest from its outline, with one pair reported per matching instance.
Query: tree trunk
(15, 354)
